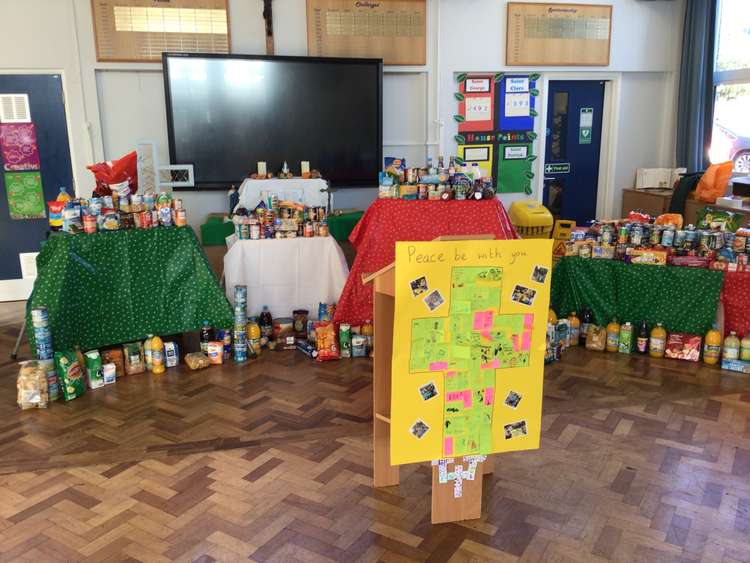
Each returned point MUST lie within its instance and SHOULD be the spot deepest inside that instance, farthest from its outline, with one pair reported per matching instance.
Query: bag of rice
(134, 362)
(70, 374)
(32, 386)
(94, 369)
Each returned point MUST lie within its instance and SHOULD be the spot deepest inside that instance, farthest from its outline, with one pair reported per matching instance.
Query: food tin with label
(667, 237)
(655, 237)
(180, 217)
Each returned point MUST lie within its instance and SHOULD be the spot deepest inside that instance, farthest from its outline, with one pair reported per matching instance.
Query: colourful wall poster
(514, 168)
(18, 147)
(481, 154)
(476, 103)
(468, 347)
(25, 195)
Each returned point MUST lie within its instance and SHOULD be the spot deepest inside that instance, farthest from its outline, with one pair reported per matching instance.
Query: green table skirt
(341, 226)
(113, 287)
(683, 299)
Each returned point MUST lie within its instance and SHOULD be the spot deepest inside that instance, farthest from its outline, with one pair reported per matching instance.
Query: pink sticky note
(494, 364)
(528, 321)
(515, 342)
(438, 366)
(467, 399)
(448, 446)
(487, 334)
(452, 396)
(488, 319)
(450, 374)
(526, 342)
(489, 395)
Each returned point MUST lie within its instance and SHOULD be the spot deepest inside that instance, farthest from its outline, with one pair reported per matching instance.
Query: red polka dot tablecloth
(387, 221)
(735, 296)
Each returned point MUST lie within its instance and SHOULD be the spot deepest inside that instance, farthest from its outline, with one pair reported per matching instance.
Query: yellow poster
(468, 347)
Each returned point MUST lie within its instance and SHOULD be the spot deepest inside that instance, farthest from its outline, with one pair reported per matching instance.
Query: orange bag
(714, 182)
(674, 219)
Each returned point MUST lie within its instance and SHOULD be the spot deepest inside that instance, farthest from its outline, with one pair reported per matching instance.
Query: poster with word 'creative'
(468, 347)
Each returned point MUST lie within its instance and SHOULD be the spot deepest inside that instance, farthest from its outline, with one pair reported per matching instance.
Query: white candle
(305, 166)
(262, 168)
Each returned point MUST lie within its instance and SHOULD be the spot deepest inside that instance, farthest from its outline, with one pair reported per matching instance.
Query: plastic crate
(531, 219)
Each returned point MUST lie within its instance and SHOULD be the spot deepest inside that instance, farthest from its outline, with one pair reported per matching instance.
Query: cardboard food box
(736, 365)
(690, 261)
(646, 256)
(603, 251)
(729, 266)
(682, 346)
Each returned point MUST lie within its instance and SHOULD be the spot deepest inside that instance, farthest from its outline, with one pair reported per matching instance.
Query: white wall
(112, 105)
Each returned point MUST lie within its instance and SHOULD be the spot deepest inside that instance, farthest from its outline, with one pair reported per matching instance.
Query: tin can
(667, 237)
(254, 231)
(743, 259)
(154, 218)
(623, 233)
(149, 200)
(345, 340)
(180, 217)
(705, 239)
(728, 240)
(309, 229)
(311, 334)
(165, 216)
(136, 203)
(718, 240)
(636, 235)
(645, 233)
(655, 237)
(422, 191)
(89, 224)
(39, 316)
(244, 231)
(359, 346)
(584, 251)
(311, 214)
(608, 234)
(411, 175)
(323, 229)
(679, 238)
(691, 239)
(177, 203)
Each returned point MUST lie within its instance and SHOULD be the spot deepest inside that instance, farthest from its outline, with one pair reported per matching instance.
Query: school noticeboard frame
(551, 34)
(469, 338)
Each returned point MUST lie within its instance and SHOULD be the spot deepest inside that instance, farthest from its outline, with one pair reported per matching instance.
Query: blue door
(47, 113)
(571, 159)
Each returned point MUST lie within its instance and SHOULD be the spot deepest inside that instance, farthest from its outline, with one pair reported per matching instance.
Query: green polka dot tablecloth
(113, 287)
(683, 299)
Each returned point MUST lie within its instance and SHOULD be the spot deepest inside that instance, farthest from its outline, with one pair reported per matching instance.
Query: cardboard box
(736, 365)
(682, 346)
(646, 256)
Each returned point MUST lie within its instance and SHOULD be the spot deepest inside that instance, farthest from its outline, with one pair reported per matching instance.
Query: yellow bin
(531, 219)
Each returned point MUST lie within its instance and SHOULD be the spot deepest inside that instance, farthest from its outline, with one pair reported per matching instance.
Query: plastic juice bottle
(63, 195)
(745, 348)
(658, 341)
(574, 324)
(626, 338)
(206, 337)
(157, 356)
(367, 330)
(613, 336)
(731, 347)
(712, 347)
(586, 323)
(641, 342)
(148, 350)
(253, 335)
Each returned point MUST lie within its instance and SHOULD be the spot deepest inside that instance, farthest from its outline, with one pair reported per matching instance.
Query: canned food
(180, 217)
(89, 224)
(254, 231)
(667, 237)
(584, 251)
(309, 229)
(718, 240)
(154, 218)
(607, 235)
(636, 235)
(623, 234)
(679, 238)
(705, 239)
(323, 229)
(149, 200)
(691, 239)
(655, 237)
(177, 203)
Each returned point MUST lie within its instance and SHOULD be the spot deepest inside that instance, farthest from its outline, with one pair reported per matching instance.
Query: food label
(657, 344)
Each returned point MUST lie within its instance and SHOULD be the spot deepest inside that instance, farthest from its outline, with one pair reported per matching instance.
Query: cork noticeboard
(141, 30)
(558, 34)
(392, 30)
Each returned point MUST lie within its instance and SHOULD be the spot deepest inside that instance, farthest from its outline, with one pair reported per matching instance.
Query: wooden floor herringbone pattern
(640, 461)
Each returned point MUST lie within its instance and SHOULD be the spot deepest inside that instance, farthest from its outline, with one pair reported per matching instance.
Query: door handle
(548, 178)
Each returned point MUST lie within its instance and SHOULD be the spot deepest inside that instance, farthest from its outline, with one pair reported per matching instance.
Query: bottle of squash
(657, 342)
(731, 347)
(157, 356)
(147, 351)
(575, 328)
(613, 336)
(745, 348)
(712, 347)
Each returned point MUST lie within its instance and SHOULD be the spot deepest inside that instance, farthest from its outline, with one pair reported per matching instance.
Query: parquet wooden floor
(640, 461)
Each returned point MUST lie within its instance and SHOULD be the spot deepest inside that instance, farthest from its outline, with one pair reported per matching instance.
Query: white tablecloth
(286, 274)
(298, 190)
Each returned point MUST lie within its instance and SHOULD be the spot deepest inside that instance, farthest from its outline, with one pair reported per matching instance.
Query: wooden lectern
(445, 507)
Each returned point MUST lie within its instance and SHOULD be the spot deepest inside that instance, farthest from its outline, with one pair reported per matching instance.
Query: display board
(558, 34)
(495, 120)
(392, 30)
(141, 30)
(468, 347)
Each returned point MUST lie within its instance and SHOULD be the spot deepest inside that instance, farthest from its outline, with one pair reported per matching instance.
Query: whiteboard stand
(445, 506)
